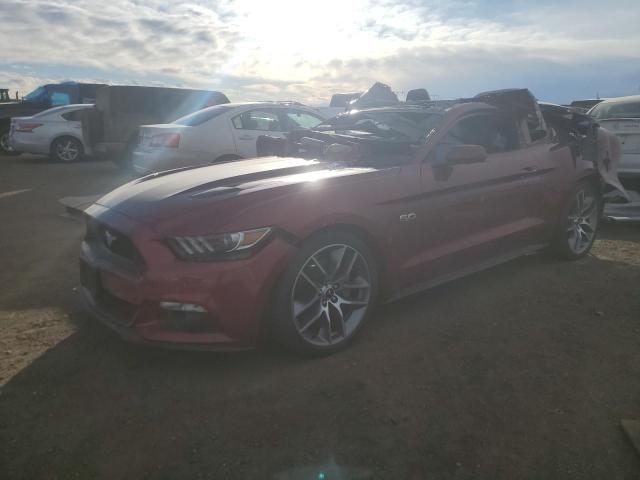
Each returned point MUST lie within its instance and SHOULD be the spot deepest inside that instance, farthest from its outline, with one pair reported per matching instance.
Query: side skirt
(478, 267)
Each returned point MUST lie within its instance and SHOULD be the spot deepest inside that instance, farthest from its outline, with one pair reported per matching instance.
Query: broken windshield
(395, 125)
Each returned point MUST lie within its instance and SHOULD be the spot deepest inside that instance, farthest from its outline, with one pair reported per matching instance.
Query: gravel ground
(521, 371)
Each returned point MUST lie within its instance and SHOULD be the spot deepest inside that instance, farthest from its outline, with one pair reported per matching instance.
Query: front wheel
(326, 294)
(579, 222)
(67, 150)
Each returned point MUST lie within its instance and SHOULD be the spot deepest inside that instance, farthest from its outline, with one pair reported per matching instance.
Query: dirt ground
(522, 371)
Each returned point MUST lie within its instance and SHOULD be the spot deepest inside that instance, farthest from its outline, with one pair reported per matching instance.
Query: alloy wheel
(4, 143)
(582, 221)
(67, 151)
(331, 294)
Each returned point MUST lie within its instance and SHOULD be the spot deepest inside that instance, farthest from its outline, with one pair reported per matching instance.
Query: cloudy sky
(308, 49)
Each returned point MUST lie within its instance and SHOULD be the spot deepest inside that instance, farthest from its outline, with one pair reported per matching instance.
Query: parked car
(621, 116)
(217, 134)
(56, 132)
(43, 98)
(112, 127)
(364, 208)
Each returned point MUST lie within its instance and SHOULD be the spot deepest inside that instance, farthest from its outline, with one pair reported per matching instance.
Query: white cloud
(306, 50)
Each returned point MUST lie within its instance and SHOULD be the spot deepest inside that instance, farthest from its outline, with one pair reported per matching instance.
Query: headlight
(217, 246)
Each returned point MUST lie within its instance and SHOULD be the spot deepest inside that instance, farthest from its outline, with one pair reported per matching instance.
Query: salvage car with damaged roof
(365, 208)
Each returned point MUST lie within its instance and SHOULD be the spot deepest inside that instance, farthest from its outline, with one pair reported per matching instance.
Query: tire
(579, 222)
(67, 150)
(5, 149)
(314, 287)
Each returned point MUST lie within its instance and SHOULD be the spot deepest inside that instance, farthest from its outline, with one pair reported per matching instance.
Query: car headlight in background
(217, 246)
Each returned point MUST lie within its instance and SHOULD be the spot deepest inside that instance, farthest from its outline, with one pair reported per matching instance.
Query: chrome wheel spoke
(343, 301)
(313, 320)
(328, 325)
(578, 239)
(351, 264)
(320, 267)
(308, 279)
(340, 318)
(354, 286)
(589, 203)
(586, 228)
(339, 260)
(301, 309)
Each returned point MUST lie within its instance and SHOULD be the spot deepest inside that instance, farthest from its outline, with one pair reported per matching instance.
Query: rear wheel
(5, 148)
(579, 222)
(326, 294)
(67, 150)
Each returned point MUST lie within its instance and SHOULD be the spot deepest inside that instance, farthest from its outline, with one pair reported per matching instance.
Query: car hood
(175, 192)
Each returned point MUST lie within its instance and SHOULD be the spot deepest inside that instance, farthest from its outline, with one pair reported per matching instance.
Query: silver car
(56, 132)
(621, 116)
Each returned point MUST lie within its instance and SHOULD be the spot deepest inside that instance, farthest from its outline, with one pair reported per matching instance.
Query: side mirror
(465, 154)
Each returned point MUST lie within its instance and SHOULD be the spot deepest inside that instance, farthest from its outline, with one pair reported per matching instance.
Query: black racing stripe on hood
(226, 184)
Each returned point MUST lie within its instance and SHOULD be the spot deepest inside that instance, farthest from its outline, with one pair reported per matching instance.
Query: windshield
(203, 115)
(616, 110)
(397, 125)
(38, 92)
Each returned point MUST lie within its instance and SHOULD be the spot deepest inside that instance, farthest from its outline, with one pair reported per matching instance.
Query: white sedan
(218, 134)
(56, 132)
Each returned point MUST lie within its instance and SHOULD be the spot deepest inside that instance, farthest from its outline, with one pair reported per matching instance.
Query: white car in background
(621, 116)
(56, 132)
(216, 134)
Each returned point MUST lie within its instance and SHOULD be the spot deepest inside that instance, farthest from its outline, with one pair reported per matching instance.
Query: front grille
(114, 241)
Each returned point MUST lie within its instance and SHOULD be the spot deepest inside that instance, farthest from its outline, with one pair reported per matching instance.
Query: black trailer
(111, 127)
(43, 98)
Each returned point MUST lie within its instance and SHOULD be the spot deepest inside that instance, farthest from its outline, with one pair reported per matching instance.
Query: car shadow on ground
(620, 231)
(523, 370)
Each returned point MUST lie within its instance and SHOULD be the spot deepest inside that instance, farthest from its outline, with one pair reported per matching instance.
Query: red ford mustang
(368, 207)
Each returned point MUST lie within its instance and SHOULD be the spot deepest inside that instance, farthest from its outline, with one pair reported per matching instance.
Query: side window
(60, 98)
(264, 120)
(495, 133)
(297, 119)
(74, 116)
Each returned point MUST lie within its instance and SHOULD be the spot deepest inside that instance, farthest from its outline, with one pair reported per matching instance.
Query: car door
(481, 211)
(250, 124)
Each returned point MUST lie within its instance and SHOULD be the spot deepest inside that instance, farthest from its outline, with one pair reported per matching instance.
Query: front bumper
(234, 294)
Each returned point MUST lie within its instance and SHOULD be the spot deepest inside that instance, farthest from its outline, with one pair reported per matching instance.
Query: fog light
(182, 307)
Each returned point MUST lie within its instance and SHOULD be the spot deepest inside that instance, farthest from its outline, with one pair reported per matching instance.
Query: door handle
(245, 137)
(530, 169)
